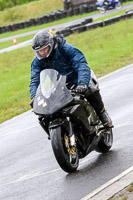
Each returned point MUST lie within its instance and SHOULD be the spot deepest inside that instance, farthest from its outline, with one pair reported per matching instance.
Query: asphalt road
(28, 169)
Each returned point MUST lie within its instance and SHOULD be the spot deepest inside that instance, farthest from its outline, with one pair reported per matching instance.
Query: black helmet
(41, 40)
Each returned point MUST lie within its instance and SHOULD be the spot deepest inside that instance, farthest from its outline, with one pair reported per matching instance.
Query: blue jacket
(67, 60)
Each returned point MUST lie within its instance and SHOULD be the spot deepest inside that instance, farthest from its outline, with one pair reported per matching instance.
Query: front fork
(71, 134)
(57, 123)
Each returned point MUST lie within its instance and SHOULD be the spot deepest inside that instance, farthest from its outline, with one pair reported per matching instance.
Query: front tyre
(105, 143)
(118, 5)
(102, 10)
(66, 156)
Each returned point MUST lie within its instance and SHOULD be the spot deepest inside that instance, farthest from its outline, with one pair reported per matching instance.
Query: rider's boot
(105, 119)
(96, 102)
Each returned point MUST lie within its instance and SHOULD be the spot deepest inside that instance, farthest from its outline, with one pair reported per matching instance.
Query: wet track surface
(28, 169)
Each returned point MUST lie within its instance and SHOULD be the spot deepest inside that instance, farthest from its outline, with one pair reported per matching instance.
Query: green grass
(22, 39)
(19, 40)
(130, 188)
(121, 12)
(60, 21)
(37, 6)
(31, 10)
(15, 77)
(106, 49)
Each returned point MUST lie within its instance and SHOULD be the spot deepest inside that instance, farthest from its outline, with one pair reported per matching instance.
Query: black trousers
(93, 96)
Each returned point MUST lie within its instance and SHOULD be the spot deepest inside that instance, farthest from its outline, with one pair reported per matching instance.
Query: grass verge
(64, 20)
(30, 10)
(106, 49)
(68, 19)
(60, 21)
(121, 12)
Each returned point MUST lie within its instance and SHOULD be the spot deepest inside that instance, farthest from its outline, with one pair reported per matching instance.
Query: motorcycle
(108, 5)
(69, 120)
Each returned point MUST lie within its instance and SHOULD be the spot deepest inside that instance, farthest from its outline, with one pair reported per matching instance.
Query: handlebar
(74, 93)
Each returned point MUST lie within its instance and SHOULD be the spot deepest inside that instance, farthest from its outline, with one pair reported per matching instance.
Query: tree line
(10, 3)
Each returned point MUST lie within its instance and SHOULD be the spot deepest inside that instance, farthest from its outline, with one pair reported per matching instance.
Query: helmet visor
(43, 52)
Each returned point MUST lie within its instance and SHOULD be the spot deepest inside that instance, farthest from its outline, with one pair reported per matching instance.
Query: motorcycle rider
(104, 2)
(55, 53)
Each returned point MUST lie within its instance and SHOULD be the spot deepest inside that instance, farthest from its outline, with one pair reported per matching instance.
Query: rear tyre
(66, 156)
(105, 143)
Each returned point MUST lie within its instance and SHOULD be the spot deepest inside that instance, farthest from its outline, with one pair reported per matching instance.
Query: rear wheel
(65, 154)
(105, 143)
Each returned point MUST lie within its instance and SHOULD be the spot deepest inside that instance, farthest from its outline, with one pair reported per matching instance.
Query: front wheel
(118, 5)
(65, 154)
(105, 143)
(102, 10)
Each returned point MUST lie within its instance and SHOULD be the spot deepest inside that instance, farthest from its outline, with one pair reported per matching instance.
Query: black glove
(81, 89)
(32, 101)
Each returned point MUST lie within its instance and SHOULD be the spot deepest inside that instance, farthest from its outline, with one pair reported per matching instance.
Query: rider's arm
(35, 76)
(79, 63)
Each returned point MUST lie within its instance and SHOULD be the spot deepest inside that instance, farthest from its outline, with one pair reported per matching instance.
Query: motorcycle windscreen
(52, 93)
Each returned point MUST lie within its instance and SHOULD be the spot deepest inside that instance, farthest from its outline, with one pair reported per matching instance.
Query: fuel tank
(84, 113)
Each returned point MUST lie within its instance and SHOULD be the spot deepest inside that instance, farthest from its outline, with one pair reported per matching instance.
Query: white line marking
(18, 131)
(18, 46)
(92, 194)
(29, 176)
